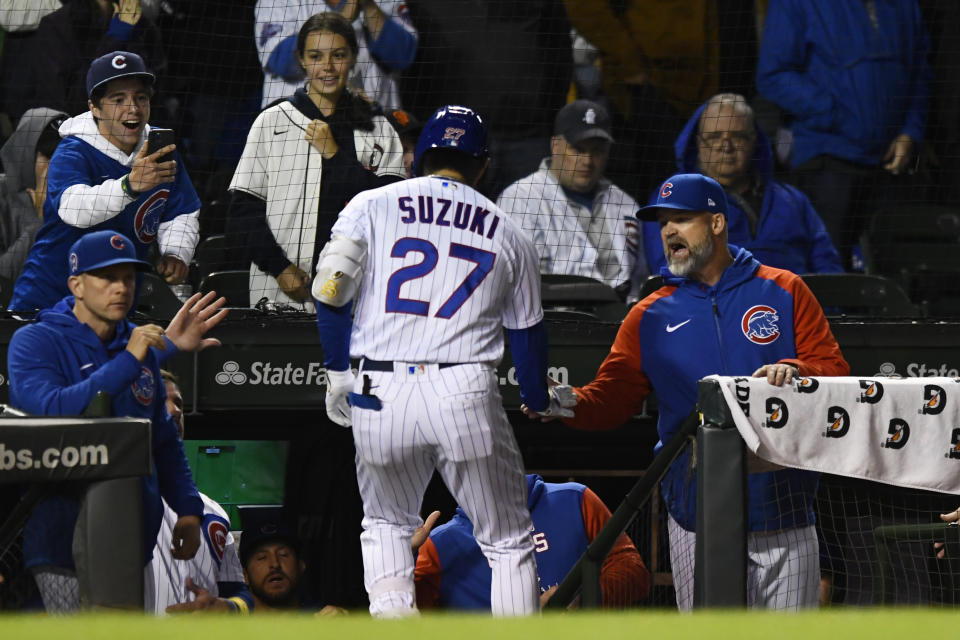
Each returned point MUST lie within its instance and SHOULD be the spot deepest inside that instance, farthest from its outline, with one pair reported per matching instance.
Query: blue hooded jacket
(57, 365)
(790, 235)
(850, 84)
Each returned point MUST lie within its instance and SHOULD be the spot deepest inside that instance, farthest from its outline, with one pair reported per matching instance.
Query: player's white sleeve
(179, 237)
(523, 307)
(83, 205)
(230, 569)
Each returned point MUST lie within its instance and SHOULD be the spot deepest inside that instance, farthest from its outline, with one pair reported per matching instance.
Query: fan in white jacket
(304, 159)
(581, 223)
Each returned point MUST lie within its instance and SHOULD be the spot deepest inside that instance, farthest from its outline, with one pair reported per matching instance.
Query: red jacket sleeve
(818, 353)
(624, 579)
(620, 386)
(427, 576)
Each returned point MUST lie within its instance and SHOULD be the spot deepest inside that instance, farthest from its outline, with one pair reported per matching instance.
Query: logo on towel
(872, 391)
(899, 432)
(742, 386)
(934, 399)
(759, 324)
(777, 414)
(807, 385)
(838, 422)
(954, 452)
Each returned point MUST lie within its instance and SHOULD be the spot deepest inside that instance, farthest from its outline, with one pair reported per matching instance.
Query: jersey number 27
(395, 304)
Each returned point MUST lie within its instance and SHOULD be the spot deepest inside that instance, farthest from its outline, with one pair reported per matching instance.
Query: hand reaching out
(196, 317)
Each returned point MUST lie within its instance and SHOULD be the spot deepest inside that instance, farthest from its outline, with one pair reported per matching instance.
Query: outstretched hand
(196, 317)
(204, 601)
(562, 401)
(423, 531)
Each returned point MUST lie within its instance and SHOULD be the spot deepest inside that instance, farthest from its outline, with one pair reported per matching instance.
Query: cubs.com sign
(904, 432)
(314, 374)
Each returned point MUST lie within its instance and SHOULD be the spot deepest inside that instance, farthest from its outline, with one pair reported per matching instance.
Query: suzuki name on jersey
(446, 213)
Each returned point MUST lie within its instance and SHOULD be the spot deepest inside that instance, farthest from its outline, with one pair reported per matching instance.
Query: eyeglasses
(716, 138)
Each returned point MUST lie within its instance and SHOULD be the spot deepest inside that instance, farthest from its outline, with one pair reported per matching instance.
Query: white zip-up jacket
(279, 166)
(538, 203)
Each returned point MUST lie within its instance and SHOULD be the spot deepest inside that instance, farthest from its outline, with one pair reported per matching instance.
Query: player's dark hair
(169, 376)
(434, 160)
(354, 109)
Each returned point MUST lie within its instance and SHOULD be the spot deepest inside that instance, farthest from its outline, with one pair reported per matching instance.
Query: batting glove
(562, 400)
(339, 386)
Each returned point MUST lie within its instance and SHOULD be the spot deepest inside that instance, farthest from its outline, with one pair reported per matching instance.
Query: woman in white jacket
(305, 157)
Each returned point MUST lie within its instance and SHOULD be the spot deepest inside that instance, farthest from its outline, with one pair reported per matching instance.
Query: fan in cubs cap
(113, 65)
(687, 192)
(102, 249)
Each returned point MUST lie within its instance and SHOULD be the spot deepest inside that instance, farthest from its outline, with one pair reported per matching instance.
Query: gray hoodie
(19, 221)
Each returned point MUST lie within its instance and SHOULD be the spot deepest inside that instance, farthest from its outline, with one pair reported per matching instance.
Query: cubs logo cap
(581, 120)
(102, 249)
(116, 64)
(687, 192)
(263, 524)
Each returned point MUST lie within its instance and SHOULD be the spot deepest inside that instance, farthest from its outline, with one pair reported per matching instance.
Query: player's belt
(387, 365)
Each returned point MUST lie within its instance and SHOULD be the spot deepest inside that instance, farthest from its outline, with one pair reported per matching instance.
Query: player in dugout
(703, 322)
(82, 346)
(216, 567)
(452, 572)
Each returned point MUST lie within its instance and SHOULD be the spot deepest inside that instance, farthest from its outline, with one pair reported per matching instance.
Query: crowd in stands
(813, 115)
(806, 158)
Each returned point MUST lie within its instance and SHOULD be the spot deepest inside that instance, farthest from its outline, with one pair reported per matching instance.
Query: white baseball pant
(451, 419)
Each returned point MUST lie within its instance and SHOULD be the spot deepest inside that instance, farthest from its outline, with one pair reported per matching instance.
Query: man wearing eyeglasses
(774, 221)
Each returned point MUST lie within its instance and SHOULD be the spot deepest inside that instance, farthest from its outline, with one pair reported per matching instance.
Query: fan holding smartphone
(112, 171)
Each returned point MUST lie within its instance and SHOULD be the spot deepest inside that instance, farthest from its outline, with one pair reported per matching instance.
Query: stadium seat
(560, 292)
(651, 284)
(858, 294)
(232, 284)
(156, 299)
(919, 247)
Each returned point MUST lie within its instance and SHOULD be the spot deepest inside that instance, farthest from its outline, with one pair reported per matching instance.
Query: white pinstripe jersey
(445, 271)
(216, 560)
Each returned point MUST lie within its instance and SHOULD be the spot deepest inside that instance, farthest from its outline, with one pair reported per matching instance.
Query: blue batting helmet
(452, 127)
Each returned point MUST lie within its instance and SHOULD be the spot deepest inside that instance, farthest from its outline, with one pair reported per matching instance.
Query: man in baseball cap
(104, 176)
(581, 223)
(85, 344)
(691, 209)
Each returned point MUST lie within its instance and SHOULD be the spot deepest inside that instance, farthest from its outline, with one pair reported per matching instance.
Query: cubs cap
(102, 249)
(116, 64)
(687, 192)
(262, 525)
(581, 120)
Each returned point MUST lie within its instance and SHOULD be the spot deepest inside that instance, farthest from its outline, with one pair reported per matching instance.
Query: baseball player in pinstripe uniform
(216, 567)
(435, 271)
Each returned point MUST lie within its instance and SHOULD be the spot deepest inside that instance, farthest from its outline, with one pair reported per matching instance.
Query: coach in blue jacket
(772, 220)
(85, 344)
(853, 78)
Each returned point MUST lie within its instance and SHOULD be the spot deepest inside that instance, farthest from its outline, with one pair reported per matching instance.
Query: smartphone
(158, 139)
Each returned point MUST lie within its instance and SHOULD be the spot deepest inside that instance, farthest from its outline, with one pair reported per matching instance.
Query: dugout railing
(103, 459)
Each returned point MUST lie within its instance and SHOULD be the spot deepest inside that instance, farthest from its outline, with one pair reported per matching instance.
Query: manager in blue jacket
(85, 344)
(774, 221)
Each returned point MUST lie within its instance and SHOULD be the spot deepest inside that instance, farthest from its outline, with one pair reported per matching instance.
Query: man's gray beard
(697, 258)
